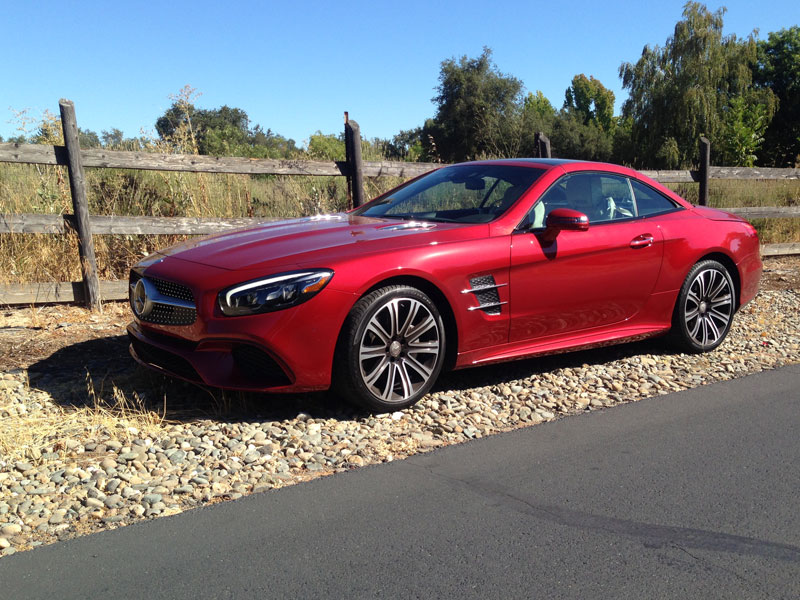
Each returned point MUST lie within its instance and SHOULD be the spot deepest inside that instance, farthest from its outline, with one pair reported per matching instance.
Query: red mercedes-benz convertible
(467, 265)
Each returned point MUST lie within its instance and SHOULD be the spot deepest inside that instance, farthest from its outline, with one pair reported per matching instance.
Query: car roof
(541, 162)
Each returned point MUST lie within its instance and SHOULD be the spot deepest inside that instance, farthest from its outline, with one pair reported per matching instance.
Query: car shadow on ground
(101, 372)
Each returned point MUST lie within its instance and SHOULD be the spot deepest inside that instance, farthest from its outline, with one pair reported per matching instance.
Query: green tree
(537, 115)
(682, 91)
(326, 147)
(88, 138)
(744, 124)
(477, 108)
(591, 100)
(112, 139)
(406, 145)
(572, 138)
(223, 131)
(778, 69)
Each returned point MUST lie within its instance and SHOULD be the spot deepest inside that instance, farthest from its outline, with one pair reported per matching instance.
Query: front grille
(164, 311)
(164, 314)
(173, 290)
(172, 363)
(259, 366)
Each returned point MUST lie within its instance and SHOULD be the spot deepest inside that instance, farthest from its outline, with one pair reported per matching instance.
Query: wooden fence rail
(40, 154)
(91, 291)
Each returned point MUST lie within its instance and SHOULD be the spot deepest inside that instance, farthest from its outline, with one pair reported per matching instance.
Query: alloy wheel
(708, 309)
(399, 349)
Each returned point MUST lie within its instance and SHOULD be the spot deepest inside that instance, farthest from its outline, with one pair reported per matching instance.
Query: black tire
(704, 311)
(391, 349)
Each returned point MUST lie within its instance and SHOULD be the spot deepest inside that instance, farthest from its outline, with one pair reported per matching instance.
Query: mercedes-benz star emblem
(141, 301)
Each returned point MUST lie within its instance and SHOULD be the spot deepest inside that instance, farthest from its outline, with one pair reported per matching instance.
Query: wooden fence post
(355, 167)
(542, 143)
(705, 161)
(80, 205)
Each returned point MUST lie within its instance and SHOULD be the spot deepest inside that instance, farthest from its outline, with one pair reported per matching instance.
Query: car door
(583, 279)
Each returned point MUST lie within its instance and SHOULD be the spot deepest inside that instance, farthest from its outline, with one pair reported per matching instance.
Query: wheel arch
(439, 299)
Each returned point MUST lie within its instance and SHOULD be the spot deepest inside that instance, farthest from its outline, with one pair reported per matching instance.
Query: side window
(601, 197)
(649, 201)
(616, 198)
(554, 197)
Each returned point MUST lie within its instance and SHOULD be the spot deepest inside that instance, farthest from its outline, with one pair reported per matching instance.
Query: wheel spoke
(394, 317)
(725, 300)
(692, 314)
(375, 374)
(712, 328)
(695, 328)
(420, 329)
(424, 347)
(388, 389)
(703, 284)
(369, 352)
(719, 288)
(420, 368)
(704, 329)
(722, 317)
(405, 378)
(377, 329)
(409, 320)
(692, 297)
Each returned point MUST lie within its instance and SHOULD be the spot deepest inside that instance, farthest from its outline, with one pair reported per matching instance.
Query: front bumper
(229, 364)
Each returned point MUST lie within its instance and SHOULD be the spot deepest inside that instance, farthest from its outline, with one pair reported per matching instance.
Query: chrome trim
(483, 288)
(152, 296)
(169, 301)
(408, 225)
(485, 306)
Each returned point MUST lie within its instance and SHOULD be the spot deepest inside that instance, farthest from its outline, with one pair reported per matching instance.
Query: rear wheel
(705, 308)
(392, 349)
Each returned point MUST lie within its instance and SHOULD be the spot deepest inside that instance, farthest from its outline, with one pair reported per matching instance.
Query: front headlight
(273, 293)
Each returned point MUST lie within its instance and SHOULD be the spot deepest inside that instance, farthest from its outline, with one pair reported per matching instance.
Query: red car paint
(617, 281)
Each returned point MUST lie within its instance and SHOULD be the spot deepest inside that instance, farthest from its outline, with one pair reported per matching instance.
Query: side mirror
(564, 219)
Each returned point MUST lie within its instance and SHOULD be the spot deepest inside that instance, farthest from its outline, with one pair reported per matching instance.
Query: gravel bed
(109, 476)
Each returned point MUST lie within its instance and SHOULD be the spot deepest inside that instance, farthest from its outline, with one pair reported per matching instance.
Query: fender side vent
(484, 288)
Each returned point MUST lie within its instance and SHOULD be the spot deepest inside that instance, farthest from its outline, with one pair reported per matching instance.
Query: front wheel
(391, 350)
(704, 311)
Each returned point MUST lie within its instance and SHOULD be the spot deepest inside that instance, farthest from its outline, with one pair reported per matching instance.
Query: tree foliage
(326, 147)
(223, 131)
(476, 106)
(683, 90)
(406, 146)
(778, 69)
(591, 100)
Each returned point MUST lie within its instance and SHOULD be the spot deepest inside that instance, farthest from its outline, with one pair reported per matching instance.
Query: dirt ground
(30, 334)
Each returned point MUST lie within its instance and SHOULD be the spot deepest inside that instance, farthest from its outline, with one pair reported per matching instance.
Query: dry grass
(45, 190)
(34, 428)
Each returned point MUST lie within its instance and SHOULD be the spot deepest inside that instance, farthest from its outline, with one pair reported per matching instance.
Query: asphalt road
(692, 495)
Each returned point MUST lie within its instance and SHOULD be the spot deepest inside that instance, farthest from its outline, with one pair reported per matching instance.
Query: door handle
(642, 241)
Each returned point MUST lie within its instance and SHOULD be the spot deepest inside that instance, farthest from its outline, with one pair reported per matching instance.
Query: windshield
(460, 194)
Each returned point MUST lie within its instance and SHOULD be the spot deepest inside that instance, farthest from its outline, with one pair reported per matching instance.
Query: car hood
(298, 241)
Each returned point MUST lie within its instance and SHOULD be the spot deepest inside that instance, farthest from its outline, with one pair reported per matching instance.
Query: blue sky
(293, 67)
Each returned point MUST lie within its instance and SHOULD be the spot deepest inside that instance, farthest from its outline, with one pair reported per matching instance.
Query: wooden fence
(92, 291)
